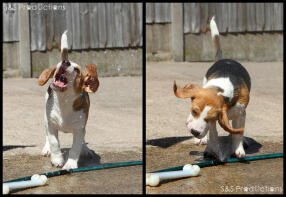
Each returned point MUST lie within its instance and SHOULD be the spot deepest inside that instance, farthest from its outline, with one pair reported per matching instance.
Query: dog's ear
(46, 74)
(90, 82)
(189, 91)
(224, 122)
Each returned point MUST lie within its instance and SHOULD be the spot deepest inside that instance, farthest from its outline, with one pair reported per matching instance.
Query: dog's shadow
(250, 146)
(9, 147)
(91, 159)
(167, 142)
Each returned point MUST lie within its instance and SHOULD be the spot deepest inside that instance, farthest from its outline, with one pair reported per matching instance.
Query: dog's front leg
(52, 142)
(213, 147)
(74, 153)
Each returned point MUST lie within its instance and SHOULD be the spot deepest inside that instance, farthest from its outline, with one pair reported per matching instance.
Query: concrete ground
(169, 144)
(113, 132)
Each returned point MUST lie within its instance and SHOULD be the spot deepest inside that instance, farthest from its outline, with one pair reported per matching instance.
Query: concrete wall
(111, 62)
(158, 42)
(11, 63)
(247, 47)
(198, 47)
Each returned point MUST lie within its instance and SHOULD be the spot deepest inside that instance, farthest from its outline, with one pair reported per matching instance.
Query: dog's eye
(195, 113)
(76, 70)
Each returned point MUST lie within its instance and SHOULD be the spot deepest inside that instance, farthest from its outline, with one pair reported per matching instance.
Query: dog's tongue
(59, 83)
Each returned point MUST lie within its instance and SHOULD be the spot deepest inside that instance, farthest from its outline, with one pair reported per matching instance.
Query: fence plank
(69, 23)
(110, 29)
(93, 16)
(139, 23)
(233, 17)
(150, 12)
(269, 9)
(192, 18)
(132, 24)
(118, 24)
(10, 22)
(126, 24)
(204, 17)
(102, 25)
(60, 23)
(76, 26)
(223, 16)
(162, 12)
(35, 23)
(259, 16)
(84, 25)
(251, 17)
(241, 9)
(278, 16)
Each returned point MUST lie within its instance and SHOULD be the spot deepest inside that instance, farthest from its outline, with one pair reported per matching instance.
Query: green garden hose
(230, 160)
(98, 167)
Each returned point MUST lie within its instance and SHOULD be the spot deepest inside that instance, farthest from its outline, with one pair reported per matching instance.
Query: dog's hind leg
(237, 143)
(46, 150)
(85, 151)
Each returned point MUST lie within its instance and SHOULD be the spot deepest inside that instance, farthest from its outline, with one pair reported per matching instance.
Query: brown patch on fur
(45, 75)
(209, 97)
(78, 82)
(82, 103)
(224, 122)
(243, 97)
(86, 81)
(187, 92)
(91, 82)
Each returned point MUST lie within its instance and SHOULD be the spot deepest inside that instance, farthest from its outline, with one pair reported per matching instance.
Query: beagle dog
(67, 106)
(224, 96)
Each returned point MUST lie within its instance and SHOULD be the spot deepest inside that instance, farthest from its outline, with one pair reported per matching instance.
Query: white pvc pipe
(153, 179)
(36, 180)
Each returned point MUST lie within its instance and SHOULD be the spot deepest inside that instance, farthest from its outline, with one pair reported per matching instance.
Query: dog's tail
(215, 39)
(64, 46)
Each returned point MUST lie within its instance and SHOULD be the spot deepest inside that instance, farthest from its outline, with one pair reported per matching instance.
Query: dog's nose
(195, 132)
(65, 64)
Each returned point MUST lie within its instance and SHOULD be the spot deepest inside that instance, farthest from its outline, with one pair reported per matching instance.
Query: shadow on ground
(250, 145)
(84, 161)
(167, 142)
(9, 147)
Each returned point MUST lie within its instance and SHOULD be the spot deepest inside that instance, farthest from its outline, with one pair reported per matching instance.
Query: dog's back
(226, 74)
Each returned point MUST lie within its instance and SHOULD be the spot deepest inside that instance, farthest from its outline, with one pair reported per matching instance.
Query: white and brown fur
(67, 106)
(224, 96)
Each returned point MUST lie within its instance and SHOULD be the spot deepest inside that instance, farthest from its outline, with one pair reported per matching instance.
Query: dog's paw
(239, 152)
(70, 164)
(57, 160)
(202, 141)
(46, 150)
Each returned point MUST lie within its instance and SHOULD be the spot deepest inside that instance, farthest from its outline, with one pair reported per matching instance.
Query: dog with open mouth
(67, 106)
(224, 96)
